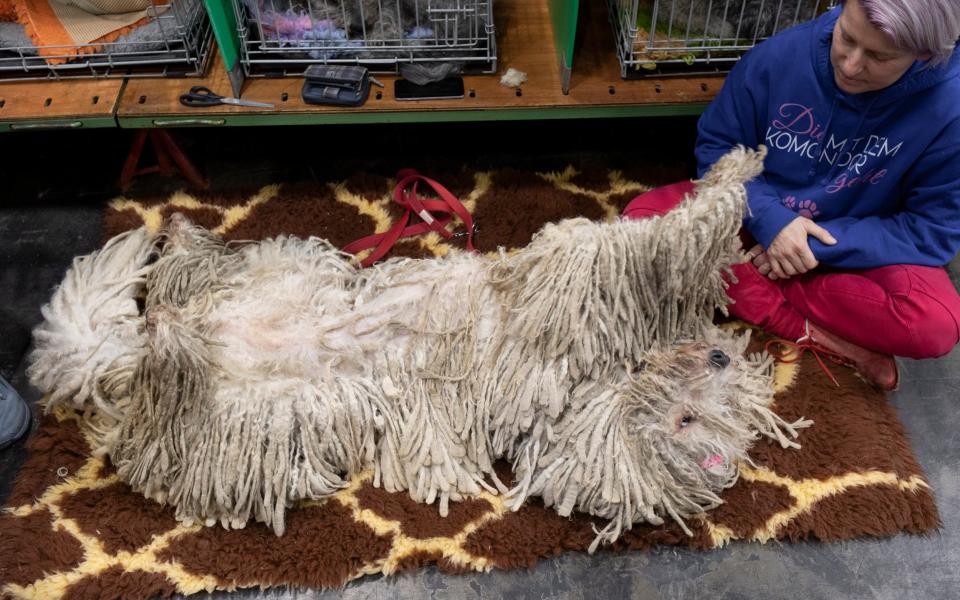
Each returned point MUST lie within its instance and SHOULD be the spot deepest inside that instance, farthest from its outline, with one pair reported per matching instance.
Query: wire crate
(175, 41)
(283, 37)
(687, 37)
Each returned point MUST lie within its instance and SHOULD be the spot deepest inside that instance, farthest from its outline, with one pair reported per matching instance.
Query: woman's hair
(921, 26)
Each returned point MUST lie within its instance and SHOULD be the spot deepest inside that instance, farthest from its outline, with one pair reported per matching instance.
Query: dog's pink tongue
(711, 461)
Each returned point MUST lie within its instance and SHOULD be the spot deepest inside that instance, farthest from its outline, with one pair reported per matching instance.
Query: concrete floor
(46, 220)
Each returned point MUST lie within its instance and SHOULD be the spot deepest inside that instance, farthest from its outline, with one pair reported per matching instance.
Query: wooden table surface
(525, 42)
(59, 104)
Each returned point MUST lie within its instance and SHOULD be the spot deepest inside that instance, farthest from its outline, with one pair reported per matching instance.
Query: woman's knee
(935, 333)
(658, 201)
(931, 306)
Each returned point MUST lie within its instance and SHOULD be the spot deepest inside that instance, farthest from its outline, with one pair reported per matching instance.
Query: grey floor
(49, 213)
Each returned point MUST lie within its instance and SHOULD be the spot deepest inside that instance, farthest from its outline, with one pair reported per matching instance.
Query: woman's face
(864, 58)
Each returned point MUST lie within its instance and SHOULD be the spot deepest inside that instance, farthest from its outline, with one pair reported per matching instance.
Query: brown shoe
(879, 370)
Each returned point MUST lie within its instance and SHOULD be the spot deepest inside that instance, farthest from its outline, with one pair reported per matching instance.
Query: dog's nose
(718, 359)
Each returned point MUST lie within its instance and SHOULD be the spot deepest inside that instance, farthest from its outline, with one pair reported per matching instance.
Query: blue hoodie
(879, 170)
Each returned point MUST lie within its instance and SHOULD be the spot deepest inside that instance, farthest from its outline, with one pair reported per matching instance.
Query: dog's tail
(87, 347)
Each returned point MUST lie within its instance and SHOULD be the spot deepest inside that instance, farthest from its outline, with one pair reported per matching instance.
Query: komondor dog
(232, 380)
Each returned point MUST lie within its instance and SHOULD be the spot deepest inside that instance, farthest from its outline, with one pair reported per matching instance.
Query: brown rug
(73, 530)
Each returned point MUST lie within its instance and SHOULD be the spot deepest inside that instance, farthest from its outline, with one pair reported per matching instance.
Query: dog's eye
(686, 421)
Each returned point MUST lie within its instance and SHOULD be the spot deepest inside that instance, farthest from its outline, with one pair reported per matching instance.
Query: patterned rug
(73, 530)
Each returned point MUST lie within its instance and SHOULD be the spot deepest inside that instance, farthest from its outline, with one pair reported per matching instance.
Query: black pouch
(341, 85)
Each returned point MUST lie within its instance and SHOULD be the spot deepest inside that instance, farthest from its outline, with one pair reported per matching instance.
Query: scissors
(204, 96)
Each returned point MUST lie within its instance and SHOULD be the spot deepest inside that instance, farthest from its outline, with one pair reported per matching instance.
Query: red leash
(405, 194)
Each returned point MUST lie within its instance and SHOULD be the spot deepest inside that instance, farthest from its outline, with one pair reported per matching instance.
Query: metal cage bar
(179, 45)
(283, 37)
(686, 37)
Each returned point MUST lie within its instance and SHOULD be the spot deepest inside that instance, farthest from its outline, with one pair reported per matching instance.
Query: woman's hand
(758, 256)
(789, 254)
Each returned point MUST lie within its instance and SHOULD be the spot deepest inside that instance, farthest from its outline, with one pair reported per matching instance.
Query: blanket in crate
(63, 29)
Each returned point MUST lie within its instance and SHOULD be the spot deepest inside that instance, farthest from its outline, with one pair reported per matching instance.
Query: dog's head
(683, 413)
(664, 443)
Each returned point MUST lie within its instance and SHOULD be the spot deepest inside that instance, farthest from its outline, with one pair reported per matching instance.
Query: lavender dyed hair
(920, 26)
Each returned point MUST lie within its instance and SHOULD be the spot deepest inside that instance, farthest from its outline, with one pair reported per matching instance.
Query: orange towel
(70, 28)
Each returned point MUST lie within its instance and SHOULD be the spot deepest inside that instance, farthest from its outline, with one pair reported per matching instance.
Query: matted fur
(87, 347)
(266, 373)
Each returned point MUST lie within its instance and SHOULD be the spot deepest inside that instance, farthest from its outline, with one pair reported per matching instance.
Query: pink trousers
(904, 310)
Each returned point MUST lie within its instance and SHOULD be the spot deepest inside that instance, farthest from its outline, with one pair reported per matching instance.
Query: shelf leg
(170, 159)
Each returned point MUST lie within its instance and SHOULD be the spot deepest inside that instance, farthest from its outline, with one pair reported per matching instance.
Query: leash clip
(460, 234)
